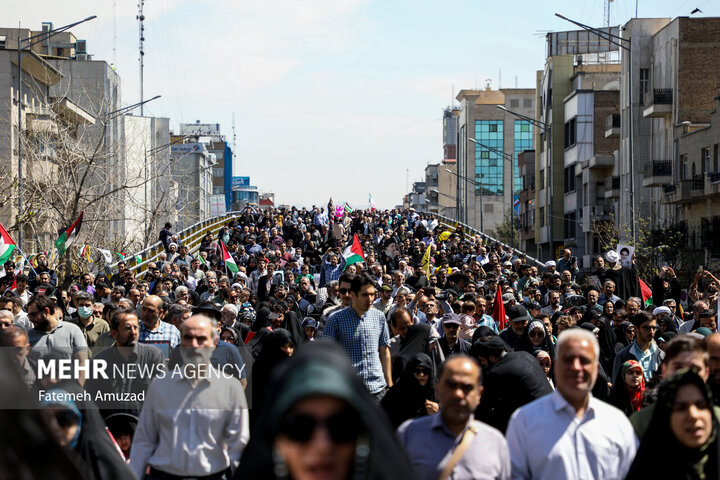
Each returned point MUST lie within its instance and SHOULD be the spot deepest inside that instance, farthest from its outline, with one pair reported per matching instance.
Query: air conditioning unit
(81, 56)
(81, 47)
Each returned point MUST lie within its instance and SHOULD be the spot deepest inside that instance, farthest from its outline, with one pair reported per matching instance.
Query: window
(489, 164)
(527, 103)
(542, 217)
(570, 132)
(570, 178)
(683, 167)
(716, 150)
(644, 83)
(569, 224)
(514, 103)
(218, 172)
(218, 190)
(523, 140)
(706, 158)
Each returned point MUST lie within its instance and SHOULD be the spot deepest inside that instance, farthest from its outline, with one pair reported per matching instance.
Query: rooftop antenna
(606, 12)
(115, 32)
(488, 81)
(499, 78)
(141, 24)
(516, 82)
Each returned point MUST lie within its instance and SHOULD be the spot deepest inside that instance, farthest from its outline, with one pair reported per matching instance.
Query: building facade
(489, 142)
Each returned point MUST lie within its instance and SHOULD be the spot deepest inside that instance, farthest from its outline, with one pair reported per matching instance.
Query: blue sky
(331, 97)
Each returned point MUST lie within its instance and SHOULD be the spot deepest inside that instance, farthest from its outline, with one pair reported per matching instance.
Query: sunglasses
(342, 427)
(421, 371)
(344, 290)
(536, 333)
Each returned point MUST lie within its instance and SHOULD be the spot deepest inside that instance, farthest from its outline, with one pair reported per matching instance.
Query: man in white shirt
(570, 434)
(194, 423)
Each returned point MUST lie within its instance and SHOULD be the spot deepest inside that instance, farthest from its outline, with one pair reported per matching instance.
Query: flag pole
(26, 259)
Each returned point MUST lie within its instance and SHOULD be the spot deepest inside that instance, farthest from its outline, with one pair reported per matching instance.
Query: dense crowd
(360, 344)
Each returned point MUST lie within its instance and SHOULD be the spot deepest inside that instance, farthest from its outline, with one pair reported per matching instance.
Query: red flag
(644, 290)
(499, 310)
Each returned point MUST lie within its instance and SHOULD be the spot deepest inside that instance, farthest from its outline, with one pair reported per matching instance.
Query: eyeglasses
(343, 427)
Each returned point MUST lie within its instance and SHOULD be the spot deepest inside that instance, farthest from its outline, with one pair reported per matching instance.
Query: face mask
(85, 312)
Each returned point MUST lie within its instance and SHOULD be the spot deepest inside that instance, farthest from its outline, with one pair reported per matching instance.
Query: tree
(508, 231)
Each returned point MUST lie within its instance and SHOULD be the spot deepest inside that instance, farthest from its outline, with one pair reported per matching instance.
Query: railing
(449, 222)
(191, 237)
(612, 183)
(659, 96)
(661, 168)
(714, 177)
(698, 183)
(669, 189)
(612, 121)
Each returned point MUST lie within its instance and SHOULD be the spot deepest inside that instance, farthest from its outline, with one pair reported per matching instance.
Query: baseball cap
(518, 313)
(451, 318)
(508, 297)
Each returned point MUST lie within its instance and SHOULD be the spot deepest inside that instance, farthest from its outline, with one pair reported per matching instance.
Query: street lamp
(547, 128)
(32, 40)
(626, 45)
(457, 199)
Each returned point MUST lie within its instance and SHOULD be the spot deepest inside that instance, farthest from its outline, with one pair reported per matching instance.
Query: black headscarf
(322, 368)
(406, 398)
(607, 340)
(416, 341)
(270, 356)
(684, 463)
(483, 332)
(620, 334)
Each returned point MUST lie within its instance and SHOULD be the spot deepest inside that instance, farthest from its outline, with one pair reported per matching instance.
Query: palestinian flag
(68, 236)
(7, 246)
(228, 259)
(202, 260)
(645, 292)
(353, 253)
(126, 256)
(348, 209)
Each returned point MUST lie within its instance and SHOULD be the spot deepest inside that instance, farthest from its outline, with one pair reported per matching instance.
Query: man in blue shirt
(363, 333)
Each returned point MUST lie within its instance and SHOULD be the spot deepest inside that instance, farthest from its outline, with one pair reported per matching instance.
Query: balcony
(601, 161)
(612, 125)
(713, 187)
(697, 186)
(658, 103)
(612, 187)
(678, 193)
(657, 173)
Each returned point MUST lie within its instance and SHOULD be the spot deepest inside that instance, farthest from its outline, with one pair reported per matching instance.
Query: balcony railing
(698, 183)
(612, 121)
(661, 168)
(668, 189)
(613, 183)
(714, 177)
(659, 96)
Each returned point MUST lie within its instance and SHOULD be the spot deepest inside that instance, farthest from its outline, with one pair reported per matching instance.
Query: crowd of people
(363, 344)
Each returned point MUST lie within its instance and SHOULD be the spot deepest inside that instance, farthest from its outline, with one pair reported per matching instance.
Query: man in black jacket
(512, 380)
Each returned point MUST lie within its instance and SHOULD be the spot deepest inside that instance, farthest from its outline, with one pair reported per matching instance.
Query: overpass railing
(449, 222)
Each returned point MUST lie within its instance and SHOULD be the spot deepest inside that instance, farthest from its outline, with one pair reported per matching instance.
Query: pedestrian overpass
(192, 237)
